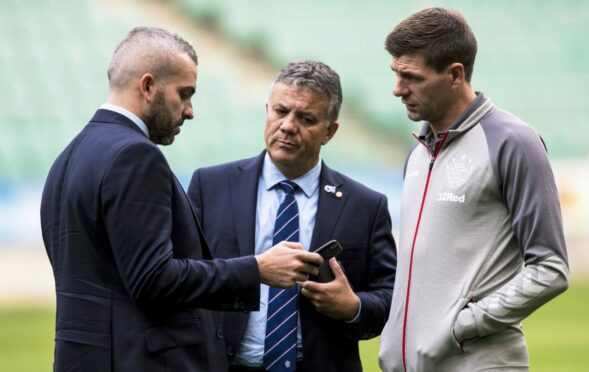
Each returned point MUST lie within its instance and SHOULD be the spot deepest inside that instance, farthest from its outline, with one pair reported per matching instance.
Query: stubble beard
(159, 122)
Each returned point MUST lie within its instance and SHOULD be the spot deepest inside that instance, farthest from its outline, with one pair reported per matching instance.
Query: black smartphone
(328, 250)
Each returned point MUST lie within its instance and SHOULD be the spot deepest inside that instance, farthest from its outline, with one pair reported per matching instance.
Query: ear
(331, 129)
(456, 72)
(147, 87)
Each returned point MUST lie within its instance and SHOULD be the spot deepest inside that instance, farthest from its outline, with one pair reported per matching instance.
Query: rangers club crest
(459, 171)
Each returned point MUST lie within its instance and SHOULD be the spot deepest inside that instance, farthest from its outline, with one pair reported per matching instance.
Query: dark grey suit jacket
(224, 198)
(130, 259)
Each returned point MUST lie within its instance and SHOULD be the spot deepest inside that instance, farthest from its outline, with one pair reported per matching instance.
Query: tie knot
(288, 187)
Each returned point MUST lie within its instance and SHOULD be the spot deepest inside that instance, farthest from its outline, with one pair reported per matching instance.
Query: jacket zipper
(434, 155)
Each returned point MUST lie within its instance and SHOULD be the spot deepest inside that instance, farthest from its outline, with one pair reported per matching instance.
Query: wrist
(353, 311)
(261, 262)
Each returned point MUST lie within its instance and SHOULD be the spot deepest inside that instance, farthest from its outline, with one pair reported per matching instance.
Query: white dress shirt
(251, 350)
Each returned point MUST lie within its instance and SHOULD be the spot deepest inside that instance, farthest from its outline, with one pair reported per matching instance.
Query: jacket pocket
(82, 351)
(457, 337)
(82, 337)
(438, 342)
(172, 335)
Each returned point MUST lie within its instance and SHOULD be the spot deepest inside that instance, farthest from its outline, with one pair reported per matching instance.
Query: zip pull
(437, 150)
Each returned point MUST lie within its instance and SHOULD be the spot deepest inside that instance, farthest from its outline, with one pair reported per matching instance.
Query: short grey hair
(316, 76)
(147, 50)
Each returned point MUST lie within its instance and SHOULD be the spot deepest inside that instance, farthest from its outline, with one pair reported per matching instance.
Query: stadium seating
(532, 61)
(52, 70)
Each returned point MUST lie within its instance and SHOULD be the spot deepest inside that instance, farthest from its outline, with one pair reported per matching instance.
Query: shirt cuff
(356, 319)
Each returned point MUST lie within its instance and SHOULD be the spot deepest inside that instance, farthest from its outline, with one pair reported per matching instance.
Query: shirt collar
(308, 182)
(131, 116)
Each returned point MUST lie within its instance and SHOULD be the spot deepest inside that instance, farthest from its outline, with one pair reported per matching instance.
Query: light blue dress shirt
(251, 350)
(134, 118)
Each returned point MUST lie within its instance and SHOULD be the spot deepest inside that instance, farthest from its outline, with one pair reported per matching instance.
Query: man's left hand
(335, 299)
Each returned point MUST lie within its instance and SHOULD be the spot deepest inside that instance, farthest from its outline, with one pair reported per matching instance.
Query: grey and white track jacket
(481, 246)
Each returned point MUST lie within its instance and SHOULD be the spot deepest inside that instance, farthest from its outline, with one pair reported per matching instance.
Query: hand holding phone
(328, 250)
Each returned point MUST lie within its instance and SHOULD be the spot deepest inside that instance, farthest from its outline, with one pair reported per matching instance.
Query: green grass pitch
(557, 336)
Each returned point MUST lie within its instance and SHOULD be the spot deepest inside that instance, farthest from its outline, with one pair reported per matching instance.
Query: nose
(288, 123)
(400, 89)
(189, 112)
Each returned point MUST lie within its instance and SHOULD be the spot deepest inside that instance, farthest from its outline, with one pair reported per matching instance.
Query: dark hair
(316, 76)
(441, 36)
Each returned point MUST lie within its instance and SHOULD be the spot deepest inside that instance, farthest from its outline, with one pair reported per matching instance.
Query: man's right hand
(287, 263)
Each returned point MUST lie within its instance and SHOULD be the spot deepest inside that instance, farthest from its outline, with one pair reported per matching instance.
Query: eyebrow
(399, 72)
(298, 113)
(405, 73)
(278, 105)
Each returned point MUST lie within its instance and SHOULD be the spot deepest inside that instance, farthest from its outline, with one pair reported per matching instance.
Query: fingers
(313, 287)
(309, 290)
(301, 278)
(309, 269)
(305, 291)
(292, 245)
(313, 259)
(287, 263)
(336, 269)
(317, 294)
(308, 257)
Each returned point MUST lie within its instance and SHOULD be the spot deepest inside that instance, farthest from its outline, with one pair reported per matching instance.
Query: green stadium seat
(54, 55)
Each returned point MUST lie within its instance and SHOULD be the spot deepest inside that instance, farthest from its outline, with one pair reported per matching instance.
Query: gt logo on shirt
(450, 197)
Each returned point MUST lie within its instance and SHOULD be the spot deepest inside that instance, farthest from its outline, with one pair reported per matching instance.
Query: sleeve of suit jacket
(137, 209)
(376, 295)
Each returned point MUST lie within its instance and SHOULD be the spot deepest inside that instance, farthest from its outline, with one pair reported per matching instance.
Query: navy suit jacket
(224, 198)
(130, 260)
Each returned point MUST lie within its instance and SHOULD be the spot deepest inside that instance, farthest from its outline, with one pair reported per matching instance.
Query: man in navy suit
(237, 204)
(132, 267)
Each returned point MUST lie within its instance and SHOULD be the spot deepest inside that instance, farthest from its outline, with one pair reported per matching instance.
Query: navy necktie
(280, 346)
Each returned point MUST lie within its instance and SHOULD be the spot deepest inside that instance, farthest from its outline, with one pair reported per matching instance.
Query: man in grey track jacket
(481, 241)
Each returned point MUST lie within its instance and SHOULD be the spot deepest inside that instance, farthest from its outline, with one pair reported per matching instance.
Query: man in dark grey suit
(238, 203)
(132, 268)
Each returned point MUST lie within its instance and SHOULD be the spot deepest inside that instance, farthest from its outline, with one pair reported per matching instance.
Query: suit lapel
(107, 116)
(244, 196)
(329, 206)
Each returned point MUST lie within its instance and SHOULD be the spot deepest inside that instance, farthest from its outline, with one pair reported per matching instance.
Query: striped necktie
(280, 346)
